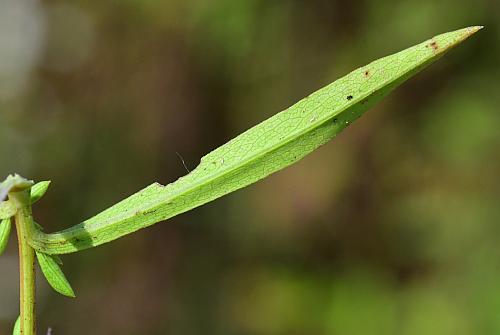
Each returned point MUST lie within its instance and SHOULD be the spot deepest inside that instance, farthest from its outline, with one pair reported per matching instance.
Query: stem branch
(24, 223)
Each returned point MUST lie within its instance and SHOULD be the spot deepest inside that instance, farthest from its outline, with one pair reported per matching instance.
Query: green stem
(24, 223)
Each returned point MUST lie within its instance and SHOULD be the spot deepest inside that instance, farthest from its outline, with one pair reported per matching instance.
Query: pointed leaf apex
(472, 30)
(38, 190)
(54, 275)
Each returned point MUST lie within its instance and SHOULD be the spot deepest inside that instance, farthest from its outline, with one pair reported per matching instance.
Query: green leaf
(7, 210)
(17, 327)
(54, 275)
(5, 227)
(38, 190)
(264, 149)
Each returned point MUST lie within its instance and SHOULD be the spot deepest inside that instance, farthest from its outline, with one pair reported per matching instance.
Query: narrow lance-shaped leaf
(5, 227)
(38, 190)
(262, 150)
(54, 275)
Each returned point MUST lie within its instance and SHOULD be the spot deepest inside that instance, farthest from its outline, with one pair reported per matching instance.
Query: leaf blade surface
(51, 269)
(262, 150)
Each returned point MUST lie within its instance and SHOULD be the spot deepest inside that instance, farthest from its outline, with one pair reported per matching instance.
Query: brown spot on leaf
(367, 73)
(434, 45)
(349, 97)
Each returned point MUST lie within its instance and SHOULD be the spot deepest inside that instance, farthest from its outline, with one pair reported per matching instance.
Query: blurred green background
(393, 228)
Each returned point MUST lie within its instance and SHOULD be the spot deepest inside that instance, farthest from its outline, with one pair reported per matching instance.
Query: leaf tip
(444, 42)
(38, 190)
(468, 32)
(54, 275)
(474, 29)
(70, 294)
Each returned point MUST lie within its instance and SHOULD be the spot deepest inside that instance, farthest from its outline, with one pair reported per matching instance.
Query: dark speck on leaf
(335, 120)
(367, 73)
(349, 97)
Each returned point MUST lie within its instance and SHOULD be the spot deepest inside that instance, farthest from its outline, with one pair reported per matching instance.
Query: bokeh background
(393, 228)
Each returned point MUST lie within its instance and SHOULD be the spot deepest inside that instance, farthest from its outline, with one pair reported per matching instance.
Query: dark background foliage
(393, 228)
